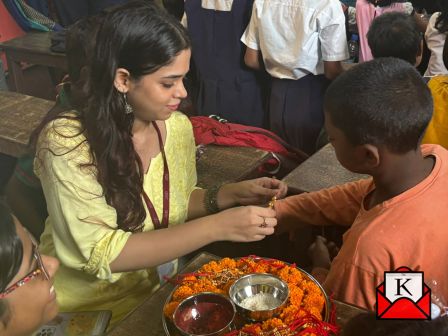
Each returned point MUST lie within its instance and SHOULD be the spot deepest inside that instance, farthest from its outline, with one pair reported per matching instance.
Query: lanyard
(166, 190)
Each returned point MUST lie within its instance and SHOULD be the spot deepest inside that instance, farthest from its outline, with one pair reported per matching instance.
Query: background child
(367, 11)
(301, 44)
(227, 87)
(397, 218)
(435, 36)
(437, 131)
(397, 35)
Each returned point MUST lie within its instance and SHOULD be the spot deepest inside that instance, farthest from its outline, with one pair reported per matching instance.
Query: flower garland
(302, 315)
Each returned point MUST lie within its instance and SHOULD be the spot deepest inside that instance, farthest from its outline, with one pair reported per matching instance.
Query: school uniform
(436, 42)
(226, 86)
(294, 38)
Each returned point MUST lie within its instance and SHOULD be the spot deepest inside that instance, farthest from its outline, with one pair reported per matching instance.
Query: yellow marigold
(272, 324)
(169, 309)
(182, 292)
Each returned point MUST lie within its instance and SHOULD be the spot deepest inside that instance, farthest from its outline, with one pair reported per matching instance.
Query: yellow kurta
(81, 230)
(437, 131)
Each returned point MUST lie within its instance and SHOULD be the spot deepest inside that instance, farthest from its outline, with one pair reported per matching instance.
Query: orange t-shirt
(407, 230)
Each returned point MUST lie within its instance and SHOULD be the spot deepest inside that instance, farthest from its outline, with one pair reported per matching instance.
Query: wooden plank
(222, 164)
(322, 170)
(19, 116)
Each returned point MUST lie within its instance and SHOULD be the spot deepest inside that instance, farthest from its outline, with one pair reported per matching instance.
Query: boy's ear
(371, 156)
(122, 80)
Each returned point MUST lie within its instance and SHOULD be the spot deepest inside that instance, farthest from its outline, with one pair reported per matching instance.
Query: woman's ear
(122, 80)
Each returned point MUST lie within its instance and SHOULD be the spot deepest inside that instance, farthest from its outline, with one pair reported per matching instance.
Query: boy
(301, 43)
(398, 217)
(397, 35)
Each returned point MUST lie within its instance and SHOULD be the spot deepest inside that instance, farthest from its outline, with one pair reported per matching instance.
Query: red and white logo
(403, 295)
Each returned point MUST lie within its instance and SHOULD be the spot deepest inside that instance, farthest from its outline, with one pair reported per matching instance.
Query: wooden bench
(32, 48)
(19, 116)
(322, 170)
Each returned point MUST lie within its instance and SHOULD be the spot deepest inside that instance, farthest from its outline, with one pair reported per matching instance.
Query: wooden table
(32, 48)
(321, 170)
(19, 116)
(222, 164)
(146, 320)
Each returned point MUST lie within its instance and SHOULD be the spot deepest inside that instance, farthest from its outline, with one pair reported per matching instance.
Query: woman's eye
(167, 86)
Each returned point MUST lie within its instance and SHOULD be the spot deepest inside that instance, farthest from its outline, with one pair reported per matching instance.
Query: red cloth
(9, 29)
(210, 131)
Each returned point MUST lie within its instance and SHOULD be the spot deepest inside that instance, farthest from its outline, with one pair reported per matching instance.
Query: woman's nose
(181, 92)
(51, 265)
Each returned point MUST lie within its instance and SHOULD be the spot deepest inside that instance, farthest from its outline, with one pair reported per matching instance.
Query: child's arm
(332, 69)
(337, 205)
(252, 59)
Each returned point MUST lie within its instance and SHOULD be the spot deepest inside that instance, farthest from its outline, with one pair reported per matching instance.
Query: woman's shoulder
(63, 134)
(179, 123)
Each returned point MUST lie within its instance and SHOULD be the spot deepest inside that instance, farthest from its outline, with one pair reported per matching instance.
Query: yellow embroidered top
(437, 131)
(81, 230)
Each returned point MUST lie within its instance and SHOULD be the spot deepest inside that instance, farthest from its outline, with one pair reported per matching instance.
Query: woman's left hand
(256, 192)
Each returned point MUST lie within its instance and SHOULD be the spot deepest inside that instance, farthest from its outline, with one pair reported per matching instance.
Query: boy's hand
(319, 253)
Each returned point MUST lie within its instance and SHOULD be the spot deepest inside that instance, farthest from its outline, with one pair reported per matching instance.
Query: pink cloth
(365, 14)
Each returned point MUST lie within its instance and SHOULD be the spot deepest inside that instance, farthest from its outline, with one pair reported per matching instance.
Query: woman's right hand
(244, 224)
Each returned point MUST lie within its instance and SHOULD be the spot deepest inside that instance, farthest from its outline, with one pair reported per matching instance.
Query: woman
(119, 174)
(27, 296)
(435, 36)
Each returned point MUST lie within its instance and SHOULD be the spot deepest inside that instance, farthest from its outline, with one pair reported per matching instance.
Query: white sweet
(260, 301)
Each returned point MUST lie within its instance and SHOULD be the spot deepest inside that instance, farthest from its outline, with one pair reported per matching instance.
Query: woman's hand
(252, 192)
(244, 224)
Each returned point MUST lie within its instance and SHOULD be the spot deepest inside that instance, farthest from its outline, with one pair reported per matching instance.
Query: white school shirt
(295, 36)
(435, 41)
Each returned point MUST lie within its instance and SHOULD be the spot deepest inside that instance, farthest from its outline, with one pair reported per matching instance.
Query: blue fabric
(226, 86)
(296, 110)
(40, 5)
(70, 11)
(21, 20)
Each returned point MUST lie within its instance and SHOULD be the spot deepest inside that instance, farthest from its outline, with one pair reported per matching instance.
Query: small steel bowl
(203, 314)
(252, 284)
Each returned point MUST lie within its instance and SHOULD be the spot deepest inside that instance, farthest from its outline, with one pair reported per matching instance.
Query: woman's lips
(173, 107)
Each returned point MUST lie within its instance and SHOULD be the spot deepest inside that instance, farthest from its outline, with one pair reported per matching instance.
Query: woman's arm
(148, 249)
(251, 192)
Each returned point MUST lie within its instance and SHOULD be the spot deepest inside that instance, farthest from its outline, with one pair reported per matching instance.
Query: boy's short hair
(381, 102)
(395, 34)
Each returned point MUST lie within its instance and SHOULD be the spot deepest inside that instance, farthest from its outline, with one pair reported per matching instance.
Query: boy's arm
(332, 69)
(252, 59)
(337, 205)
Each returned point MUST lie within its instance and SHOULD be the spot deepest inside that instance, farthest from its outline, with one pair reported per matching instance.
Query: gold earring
(127, 107)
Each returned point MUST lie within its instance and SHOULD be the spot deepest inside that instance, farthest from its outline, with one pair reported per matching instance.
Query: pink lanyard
(166, 190)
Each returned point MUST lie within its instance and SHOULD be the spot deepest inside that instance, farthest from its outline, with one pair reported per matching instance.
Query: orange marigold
(169, 309)
(295, 296)
(272, 324)
(182, 292)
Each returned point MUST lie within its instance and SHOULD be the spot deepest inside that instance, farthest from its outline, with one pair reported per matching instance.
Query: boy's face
(351, 157)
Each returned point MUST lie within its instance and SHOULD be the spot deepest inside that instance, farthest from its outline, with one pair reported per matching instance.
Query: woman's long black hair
(442, 19)
(11, 254)
(141, 38)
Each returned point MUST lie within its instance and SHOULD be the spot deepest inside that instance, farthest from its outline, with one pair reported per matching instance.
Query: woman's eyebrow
(172, 77)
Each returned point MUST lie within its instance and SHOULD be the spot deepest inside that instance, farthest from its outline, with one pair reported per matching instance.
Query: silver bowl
(269, 286)
(203, 314)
